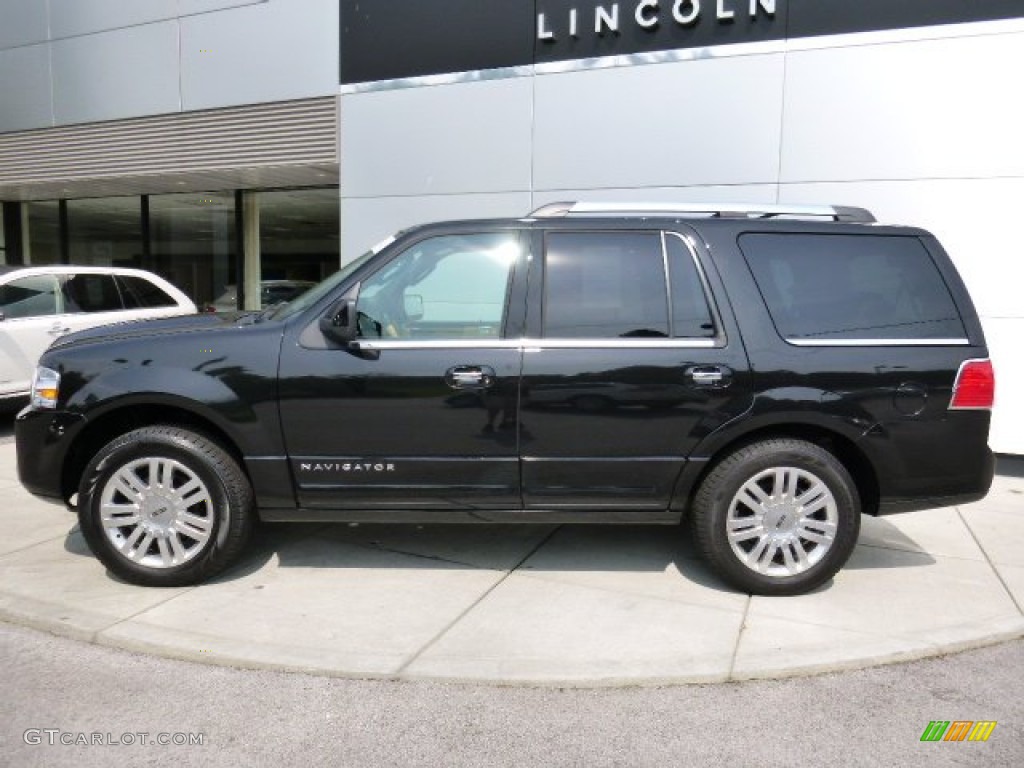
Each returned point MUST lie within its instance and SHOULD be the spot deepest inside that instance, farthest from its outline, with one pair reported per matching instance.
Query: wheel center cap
(158, 512)
(781, 519)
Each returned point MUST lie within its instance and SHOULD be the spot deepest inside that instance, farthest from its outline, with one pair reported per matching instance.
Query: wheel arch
(845, 449)
(128, 416)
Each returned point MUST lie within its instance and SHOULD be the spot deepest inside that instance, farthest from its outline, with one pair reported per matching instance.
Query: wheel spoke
(203, 524)
(751, 530)
(165, 552)
(140, 551)
(123, 484)
(801, 556)
(119, 515)
(787, 557)
(135, 535)
(792, 480)
(190, 494)
(764, 562)
(176, 546)
(753, 496)
(779, 482)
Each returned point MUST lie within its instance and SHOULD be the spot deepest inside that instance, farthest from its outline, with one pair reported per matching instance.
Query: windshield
(317, 292)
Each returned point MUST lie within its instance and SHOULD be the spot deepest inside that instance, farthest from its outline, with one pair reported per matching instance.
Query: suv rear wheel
(164, 506)
(778, 517)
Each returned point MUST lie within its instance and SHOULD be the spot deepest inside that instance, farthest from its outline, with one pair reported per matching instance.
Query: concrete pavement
(568, 605)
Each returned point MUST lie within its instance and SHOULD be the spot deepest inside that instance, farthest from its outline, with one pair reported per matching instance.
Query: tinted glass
(140, 293)
(453, 286)
(34, 296)
(605, 285)
(691, 315)
(91, 293)
(822, 287)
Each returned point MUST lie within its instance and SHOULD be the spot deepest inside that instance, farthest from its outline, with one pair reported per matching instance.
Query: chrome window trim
(879, 342)
(532, 345)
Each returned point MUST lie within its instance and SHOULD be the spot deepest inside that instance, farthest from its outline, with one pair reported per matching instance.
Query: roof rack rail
(714, 210)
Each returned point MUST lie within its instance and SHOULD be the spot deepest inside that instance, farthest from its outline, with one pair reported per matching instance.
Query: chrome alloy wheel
(782, 521)
(157, 512)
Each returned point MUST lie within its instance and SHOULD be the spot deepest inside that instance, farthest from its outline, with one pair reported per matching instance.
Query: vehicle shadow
(609, 549)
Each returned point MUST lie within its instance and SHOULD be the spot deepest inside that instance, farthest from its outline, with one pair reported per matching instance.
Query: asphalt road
(872, 717)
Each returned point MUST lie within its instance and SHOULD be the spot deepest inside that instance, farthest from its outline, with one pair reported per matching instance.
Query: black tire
(765, 560)
(171, 484)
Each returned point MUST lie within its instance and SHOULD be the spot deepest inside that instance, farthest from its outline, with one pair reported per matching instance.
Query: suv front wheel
(164, 506)
(777, 517)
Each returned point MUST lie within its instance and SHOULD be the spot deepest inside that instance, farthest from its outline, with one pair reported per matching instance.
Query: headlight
(45, 388)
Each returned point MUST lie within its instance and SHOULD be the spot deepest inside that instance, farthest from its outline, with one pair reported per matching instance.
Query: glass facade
(41, 232)
(191, 239)
(193, 242)
(299, 234)
(105, 231)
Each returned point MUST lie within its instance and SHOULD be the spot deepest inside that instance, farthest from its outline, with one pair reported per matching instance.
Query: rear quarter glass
(852, 287)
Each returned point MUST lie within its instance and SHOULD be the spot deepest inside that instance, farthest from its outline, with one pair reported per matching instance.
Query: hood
(163, 326)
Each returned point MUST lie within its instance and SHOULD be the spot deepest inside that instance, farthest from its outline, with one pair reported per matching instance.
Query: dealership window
(191, 239)
(41, 232)
(299, 234)
(193, 242)
(105, 231)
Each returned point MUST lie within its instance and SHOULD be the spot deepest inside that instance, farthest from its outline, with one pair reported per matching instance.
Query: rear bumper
(43, 440)
(973, 489)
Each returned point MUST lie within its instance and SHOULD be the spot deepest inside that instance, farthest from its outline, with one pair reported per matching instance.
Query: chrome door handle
(57, 330)
(709, 375)
(469, 377)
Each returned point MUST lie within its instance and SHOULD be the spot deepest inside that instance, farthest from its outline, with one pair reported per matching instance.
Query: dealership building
(222, 143)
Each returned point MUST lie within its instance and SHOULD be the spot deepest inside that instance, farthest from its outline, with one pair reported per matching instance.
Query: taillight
(975, 385)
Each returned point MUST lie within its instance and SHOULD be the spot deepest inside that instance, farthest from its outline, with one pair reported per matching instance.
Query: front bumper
(44, 439)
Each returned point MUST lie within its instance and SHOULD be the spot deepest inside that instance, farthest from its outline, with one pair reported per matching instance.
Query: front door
(630, 366)
(423, 416)
(28, 325)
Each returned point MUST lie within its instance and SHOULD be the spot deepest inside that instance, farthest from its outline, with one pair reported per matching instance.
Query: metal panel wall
(22, 23)
(71, 61)
(25, 88)
(277, 51)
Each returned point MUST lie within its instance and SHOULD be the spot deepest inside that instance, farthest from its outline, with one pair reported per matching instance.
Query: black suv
(766, 373)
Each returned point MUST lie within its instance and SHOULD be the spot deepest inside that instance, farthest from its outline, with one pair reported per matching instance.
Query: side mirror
(339, 324)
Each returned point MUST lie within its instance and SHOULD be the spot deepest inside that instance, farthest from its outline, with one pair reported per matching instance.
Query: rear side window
(140, 293)
(851, 287)
(605, 285)
(91, 293)
(622, 285)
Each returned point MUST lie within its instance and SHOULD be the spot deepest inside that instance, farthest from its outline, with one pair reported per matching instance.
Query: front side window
(447, 287)
(33, 296)
(851, 287)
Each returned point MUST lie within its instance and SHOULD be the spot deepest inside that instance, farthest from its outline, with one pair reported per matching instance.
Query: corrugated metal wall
(279, 135)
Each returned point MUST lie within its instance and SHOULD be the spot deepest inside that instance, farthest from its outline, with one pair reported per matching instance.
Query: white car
(40, 303)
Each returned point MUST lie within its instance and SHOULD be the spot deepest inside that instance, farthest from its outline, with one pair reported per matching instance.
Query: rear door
(629, 365)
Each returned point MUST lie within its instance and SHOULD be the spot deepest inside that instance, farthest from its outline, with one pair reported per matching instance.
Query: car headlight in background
(45, 388)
